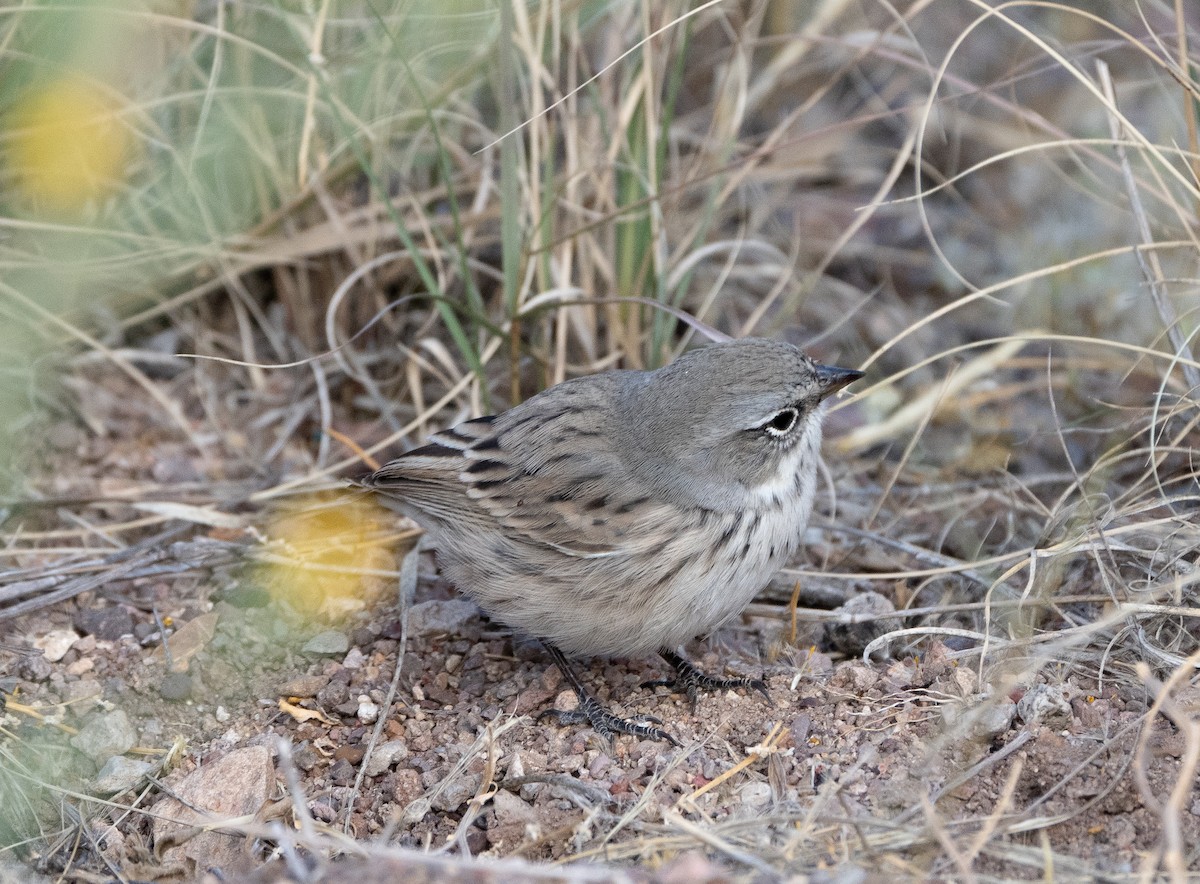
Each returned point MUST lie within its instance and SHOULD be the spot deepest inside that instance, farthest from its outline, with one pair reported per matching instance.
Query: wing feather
(544, 473)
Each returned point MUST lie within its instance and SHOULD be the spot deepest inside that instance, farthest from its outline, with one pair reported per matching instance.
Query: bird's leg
(690, 680)
(590, 711)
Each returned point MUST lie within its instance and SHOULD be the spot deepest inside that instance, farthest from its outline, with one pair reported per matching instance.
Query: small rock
(342, 772)
(440, 616)
(857, 676)
(305, 757)
(385, 755)
(80, 666)
(352, 753)
(83, 695)
(55, 643)
(34, 668)
(755, 797)
(567, 701)
(368, 711)
(355, 659)
(330, 642)
(995, 719)
(237, 785)
(457, 793)
(862, 623)
(599, 765)
(106, 735)
(222, 714)
(120, 774)
(799, 729)
(511, 809)
(85, 645)
(406, 786)
(1045, 703)
(303, 686)
(106, 624)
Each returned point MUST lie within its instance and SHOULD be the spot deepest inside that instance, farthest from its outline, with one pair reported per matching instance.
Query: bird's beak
(830, 378)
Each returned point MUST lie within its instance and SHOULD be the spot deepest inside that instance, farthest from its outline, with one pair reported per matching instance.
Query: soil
(922, 765)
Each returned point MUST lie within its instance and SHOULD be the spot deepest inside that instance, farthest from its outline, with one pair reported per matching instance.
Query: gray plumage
(627, 512)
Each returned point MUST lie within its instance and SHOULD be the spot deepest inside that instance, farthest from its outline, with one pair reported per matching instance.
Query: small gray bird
(627, 512)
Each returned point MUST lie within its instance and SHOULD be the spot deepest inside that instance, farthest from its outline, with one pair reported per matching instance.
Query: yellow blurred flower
(67, 145)
(333, 554)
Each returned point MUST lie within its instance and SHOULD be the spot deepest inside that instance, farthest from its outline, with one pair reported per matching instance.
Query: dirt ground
(273, 711)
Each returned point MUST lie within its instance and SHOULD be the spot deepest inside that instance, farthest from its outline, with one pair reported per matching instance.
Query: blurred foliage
(140, 144)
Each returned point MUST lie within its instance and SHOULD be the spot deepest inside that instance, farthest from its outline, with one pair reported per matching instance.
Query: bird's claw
(691, 680)
(607, 724)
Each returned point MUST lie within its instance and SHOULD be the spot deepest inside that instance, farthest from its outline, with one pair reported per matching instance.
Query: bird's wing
(424, 483)
(544, 473)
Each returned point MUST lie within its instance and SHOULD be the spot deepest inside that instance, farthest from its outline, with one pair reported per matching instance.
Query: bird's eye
(781, 423)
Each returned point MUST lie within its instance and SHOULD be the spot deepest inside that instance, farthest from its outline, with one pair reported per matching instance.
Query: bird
(625, 513)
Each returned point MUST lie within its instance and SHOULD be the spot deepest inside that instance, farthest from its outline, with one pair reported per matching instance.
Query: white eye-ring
(782, 422)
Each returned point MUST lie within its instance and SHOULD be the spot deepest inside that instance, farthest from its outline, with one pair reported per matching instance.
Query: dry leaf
(301, 714)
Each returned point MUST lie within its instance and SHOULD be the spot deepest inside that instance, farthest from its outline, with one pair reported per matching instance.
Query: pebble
(106, 624)
(82, 695)
(440, 616)
(405, 787)
(120, 774)
(368, 711)
(330, 642)
(755, 797)
(342, 772)
(34, 668)
(851, 635)
(385, 755)
(82, 665)
(995, 719)
(599, 765)
(106, 735)
(303, 686)
(305, 757)
(1044, 703)
(457, 793)
(55, 643)
(236, 785)
(511, 809)
(353, 754)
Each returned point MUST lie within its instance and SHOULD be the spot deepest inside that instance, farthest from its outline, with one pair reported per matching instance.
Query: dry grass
(352, 225)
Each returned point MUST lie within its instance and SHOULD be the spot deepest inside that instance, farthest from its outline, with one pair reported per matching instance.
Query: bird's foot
(690, 680)
(608, 724)
(605, 723)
